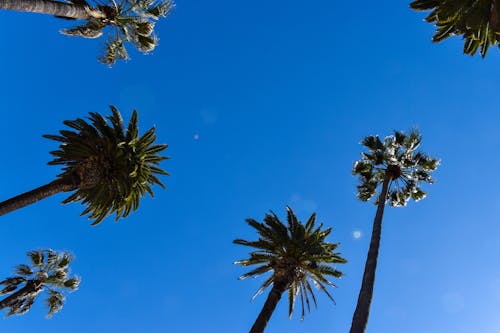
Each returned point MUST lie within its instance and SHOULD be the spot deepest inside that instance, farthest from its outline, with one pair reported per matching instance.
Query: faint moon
(196, 136)
(356, 234)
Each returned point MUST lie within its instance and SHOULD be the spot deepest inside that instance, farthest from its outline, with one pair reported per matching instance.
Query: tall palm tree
(477, 21)
(296, 255)
(106, 167)
(399, 168)
(47, 271)
(130, 21)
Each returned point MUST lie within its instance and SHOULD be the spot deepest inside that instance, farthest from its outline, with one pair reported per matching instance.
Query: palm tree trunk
(267, 310)
(360, 318)
(32, 286)
(42, 192)
(56, 8)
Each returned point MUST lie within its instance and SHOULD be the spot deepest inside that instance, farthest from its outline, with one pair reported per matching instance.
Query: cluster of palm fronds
(114, 166)
(477, 21)
(48, 271)
(396, 157)
(130, 21)
(298, 255)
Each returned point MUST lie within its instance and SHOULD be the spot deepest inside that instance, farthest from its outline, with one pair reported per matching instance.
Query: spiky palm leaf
(296, 254)
(131, 21)
(114, 166)
(128, 21)
(396, 157)
(49, 271)
(478, 21)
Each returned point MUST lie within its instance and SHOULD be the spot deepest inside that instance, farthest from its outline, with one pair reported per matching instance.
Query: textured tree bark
(32, 286)
(56, 8)
(42, 192)
(360, 318)
(267, 310)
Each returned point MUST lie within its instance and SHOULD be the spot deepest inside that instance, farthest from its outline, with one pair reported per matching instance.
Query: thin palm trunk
(31, 287)
(56, 8)
(268, 308)
(42, 192)
(360, 318)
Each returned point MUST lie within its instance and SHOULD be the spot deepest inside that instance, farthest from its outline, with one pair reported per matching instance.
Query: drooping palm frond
(130, 21)
(92, 28)
(396, 157)
(114, 166)
(296, 254)
(477, 21)
(48, 270)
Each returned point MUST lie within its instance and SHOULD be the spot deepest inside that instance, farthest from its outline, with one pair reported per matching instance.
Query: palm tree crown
(397, 159)
(111, 167)
(296, 255)
(477, 21)
(131, 21)
(48, 271)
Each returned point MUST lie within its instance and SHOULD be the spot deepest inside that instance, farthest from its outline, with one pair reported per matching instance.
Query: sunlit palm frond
(295, 253)
(113, 167)
(49, 271)
(129, 21)
(398, 158)
(478, 22)
(92, 28)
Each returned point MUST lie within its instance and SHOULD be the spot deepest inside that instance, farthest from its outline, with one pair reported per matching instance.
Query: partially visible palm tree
(477, 21)
(130, 21)
(107, 167)
(47, 271)
(297, 256)
(399, 168)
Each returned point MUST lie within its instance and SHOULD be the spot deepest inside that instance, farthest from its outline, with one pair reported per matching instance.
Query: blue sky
(262, 105)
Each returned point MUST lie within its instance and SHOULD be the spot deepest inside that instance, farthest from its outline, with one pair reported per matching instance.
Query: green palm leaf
(129, 21)
(397, 157)
(49, 271)
(295, 254)
(112, 168)
(478, 22)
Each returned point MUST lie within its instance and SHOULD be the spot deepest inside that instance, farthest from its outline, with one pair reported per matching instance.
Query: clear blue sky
(279, 96)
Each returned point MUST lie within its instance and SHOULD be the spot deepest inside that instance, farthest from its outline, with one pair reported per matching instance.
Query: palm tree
(106, 167)
(400, 168)
(48, 271)
(477, 21)
(130, 21)
(296, 255)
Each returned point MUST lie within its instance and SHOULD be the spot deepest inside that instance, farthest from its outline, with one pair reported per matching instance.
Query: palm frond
(263, 287)
(478, 22)
(398, 158)
(49, 271)
(114, 167)
(91, 29)
(295, 253)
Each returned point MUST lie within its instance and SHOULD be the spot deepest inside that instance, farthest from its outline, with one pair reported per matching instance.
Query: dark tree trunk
(32, 286)
(42, 192)
(360, 318)
(56, 8)
(272, 300)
